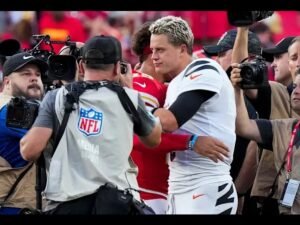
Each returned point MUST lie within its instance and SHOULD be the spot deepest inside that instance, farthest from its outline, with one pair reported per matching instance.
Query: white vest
(95, 147)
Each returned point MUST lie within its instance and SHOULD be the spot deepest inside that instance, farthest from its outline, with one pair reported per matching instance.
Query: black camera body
(240, 18)
(254, 73)
(21, 112)
(62, 67)
(124, 68)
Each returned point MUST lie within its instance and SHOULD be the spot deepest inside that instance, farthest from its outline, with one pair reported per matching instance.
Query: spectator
(89, 167)
(194, 105)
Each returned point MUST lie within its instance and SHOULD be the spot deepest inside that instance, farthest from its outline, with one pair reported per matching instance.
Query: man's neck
(96, 76)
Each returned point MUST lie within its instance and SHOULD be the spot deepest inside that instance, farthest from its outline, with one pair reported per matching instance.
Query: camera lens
(17, 101)
(59, 69)
(247, 72)
(123, 68)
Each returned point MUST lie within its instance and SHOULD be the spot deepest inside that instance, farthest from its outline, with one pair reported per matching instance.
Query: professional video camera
(61, 67)
(246, 18)
(254, 73)
(21, 112)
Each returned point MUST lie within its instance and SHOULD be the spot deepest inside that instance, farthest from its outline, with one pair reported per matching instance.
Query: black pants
(80, 206)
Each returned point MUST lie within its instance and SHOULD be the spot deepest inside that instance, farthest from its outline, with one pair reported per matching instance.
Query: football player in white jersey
(200, 100)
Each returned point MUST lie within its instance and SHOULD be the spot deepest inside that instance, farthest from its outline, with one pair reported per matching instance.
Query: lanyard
(290, 149)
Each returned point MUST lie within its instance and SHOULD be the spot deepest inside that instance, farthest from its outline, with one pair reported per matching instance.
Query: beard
(33, 91)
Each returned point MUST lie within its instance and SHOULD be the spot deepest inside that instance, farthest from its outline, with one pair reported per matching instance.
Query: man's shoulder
(197, 65)
(52, 93)
(4, 99)
(145, 83)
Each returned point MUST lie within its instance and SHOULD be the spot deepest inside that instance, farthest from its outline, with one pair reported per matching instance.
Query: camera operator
(88, 156)
(272, 101)
(21, 77)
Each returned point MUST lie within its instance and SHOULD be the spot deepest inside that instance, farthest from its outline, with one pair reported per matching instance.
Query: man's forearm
(169, 142)
(240, 48)
(167, 119)
(244, 126)
(247, 173)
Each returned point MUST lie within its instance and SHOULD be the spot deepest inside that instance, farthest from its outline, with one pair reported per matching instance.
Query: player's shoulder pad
(201, 64)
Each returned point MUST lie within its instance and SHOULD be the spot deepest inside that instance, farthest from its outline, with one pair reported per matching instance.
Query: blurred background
(207, 26)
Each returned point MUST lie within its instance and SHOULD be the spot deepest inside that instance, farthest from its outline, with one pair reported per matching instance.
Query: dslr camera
(124, 67)
(246, 18)
(254, 73)
(21, 112)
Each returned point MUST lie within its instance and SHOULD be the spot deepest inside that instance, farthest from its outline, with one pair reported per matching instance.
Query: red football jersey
(152, 163)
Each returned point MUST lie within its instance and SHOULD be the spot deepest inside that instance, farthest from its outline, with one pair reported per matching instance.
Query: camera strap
(77, 88)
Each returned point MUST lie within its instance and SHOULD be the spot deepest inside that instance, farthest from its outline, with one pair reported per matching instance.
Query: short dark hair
(141, 41)
(103, 67)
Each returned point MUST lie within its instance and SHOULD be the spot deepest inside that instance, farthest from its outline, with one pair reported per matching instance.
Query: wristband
(192, 142)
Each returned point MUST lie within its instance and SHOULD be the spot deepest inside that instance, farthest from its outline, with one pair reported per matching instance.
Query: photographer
(280, 136)
(21, 77)
(272, 101)
(98, 137)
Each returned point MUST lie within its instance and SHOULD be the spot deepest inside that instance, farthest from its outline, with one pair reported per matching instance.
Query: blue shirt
(10, 142)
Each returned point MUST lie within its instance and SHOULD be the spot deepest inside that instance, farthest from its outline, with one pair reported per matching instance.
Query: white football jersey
(216, 118)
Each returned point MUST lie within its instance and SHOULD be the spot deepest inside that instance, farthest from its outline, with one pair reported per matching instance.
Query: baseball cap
(17, 61)
(102, 50)
(280, 48)
(226, 42)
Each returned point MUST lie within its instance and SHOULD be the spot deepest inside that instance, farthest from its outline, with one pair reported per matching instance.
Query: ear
(6, 81)
(80, 67)
(183, 48)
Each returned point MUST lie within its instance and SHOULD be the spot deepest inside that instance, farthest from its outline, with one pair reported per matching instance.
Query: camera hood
(62, 67)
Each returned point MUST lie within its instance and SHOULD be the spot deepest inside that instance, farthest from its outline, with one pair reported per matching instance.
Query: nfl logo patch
(90, 122)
